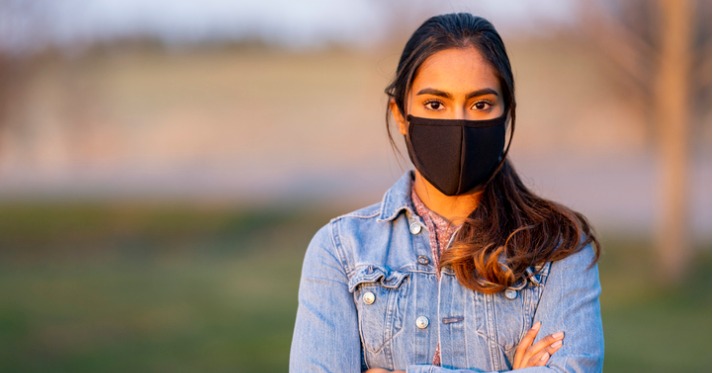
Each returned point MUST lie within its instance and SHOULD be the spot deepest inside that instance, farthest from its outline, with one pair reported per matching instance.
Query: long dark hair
(512, 229)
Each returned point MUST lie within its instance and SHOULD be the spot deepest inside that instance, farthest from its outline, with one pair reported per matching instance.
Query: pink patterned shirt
(440, 231)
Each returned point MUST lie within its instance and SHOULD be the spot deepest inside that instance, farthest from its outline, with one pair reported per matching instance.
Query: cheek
(501, 106)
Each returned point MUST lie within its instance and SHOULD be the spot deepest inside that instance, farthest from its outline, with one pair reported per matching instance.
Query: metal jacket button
(422, 259)
(510, 294)
(422, 322)
(368, 297)
(415, 228)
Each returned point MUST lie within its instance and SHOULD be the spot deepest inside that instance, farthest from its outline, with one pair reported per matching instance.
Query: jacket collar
(398, 198)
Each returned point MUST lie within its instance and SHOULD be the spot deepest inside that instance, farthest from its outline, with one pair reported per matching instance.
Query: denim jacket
(370, 297)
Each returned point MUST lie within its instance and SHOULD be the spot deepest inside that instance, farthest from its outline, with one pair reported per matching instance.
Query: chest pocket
(379, 296)
(515, 309)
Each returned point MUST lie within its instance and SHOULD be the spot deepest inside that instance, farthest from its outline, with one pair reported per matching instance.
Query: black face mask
(457, 155)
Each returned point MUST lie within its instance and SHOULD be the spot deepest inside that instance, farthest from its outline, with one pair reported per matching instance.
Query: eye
(482, 105)
(434, 105)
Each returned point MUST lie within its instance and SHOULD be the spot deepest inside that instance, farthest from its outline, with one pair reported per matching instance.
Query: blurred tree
(21, 33)
(663, 51)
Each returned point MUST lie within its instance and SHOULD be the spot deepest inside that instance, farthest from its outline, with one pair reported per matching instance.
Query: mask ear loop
(407, 139)
(505, 153)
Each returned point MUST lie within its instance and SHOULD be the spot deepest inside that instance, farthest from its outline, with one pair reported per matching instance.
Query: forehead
(456, 70)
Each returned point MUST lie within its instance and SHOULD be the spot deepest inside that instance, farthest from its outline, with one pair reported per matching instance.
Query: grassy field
(117, 288)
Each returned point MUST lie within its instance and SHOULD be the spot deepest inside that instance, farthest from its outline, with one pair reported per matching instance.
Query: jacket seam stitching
(368, 216)
(336, 243)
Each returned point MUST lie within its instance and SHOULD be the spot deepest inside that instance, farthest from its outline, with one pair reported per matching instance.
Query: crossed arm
(528, 353)
(328, 341)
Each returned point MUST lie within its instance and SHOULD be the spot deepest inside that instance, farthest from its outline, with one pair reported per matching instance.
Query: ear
(398, 117)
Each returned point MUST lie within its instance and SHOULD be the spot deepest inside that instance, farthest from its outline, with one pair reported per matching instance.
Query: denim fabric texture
(369, 297)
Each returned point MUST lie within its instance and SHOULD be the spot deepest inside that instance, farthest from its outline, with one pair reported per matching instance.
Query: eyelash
(428, 103)
(488, 103)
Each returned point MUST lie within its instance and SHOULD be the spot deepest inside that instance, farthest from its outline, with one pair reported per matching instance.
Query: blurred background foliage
(163, 166)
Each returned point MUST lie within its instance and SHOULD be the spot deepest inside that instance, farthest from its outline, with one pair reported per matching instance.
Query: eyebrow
(444, 94)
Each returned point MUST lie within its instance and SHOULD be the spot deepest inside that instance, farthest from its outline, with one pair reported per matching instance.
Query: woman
(460, 267)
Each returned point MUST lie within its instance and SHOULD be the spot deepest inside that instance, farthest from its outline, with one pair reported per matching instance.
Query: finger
(528, 338)
(539, 359)
(526, 342)
(549, 341)
(551, 349)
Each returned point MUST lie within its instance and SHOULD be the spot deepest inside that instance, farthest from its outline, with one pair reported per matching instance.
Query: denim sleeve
(569, 303)
(326, 334)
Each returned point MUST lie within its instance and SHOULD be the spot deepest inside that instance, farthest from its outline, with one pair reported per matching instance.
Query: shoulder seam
(355, 215)
(362, 212)
(338, 248)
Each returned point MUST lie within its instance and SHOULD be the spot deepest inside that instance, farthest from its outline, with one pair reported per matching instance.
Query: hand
(528, 354)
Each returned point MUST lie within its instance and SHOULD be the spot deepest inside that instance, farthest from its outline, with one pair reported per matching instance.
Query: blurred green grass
(146, 287)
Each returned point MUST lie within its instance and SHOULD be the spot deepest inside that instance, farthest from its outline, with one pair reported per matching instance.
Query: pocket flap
(376, 274)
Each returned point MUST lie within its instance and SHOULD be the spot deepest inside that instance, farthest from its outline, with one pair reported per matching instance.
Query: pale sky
(305, 23)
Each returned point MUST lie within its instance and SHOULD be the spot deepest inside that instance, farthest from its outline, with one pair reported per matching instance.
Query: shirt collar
(398, 198)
